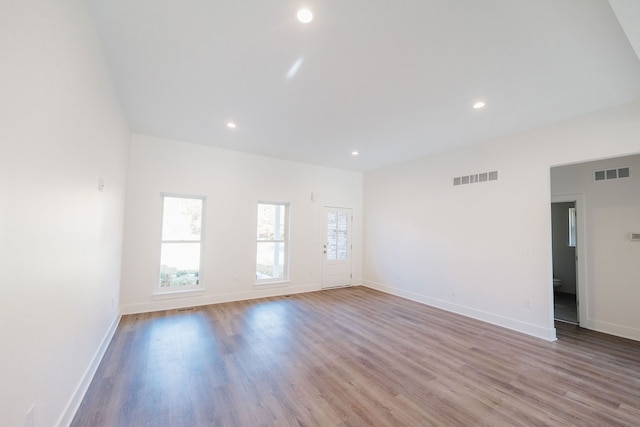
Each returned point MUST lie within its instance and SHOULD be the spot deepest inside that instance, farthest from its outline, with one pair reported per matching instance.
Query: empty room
(319, 213)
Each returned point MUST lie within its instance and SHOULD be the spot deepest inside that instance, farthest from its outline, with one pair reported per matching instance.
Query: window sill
(272, 284)
(176, 292)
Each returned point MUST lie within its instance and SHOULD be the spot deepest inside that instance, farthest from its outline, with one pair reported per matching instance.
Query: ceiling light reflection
(294, 68)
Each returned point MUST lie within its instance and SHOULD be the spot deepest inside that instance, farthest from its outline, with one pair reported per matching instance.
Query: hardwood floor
(355, 357)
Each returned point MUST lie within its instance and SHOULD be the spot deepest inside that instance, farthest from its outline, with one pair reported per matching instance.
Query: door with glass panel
(336, 258)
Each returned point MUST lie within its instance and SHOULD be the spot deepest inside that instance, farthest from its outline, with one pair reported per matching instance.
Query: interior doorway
(579, 257)
(564, 245)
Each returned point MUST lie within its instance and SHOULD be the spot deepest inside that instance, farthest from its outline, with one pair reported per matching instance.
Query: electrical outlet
(29, 420)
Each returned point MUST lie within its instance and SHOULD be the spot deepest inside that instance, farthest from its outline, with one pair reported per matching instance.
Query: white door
(336, 259)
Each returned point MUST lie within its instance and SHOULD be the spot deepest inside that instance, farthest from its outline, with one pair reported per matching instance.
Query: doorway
(564, 242)
(336, 258)
(579, 250)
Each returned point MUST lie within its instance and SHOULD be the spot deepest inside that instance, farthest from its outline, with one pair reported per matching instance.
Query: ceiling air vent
(635, 237)
(612, 174)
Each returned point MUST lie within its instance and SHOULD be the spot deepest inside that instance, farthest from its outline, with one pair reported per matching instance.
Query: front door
(336, 259)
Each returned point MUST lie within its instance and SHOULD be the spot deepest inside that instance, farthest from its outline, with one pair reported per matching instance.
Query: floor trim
(182, 301)
(547, 334)
(80, 391)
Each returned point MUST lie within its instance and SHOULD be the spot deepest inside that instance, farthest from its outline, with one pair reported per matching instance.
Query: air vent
(612, 174)
(635, 237)
(623, 173)
(476, 178)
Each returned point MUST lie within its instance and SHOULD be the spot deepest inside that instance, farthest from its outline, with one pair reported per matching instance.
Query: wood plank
(355, 356)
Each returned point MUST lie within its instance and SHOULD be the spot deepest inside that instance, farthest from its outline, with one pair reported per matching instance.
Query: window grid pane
(270, 261)
(271, 222)
(337, 236)
(181, 219)
(179, 264)
(272, 238)
(181, 247)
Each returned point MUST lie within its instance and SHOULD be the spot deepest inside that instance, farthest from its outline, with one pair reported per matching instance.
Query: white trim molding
(548, 334)
(80, 391)
(184, 301)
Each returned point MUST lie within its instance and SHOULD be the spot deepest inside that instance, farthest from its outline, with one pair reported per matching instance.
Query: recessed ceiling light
(231, 125)
(478, 105)
(305, 16)
(354, 153)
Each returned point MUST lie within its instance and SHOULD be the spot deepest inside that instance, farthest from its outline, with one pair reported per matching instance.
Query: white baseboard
(612, 329)
(548, 334)
(76, 399)
(177, 301)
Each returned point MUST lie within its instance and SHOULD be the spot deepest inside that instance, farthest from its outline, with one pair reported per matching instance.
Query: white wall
(60, 238)
(612, 211)
(482, 250)
(233, 183)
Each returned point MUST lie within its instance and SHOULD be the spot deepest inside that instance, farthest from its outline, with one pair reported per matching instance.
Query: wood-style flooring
(355, 357)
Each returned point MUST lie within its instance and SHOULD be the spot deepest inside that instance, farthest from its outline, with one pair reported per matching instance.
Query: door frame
(582, 296)
(322, 242)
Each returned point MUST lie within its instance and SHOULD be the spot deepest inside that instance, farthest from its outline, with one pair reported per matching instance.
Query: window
(272, 249)
(337, 235)
(181, 247)
(572, 227)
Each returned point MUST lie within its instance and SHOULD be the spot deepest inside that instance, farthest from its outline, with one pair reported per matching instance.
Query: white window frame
(284, 241)
(572, 227)
(158, 290)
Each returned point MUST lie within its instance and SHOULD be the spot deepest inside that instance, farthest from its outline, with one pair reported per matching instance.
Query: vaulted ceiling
(393, 80)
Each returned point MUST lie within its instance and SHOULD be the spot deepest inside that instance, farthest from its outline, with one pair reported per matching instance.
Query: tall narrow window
(181, 246)
(272, 254)
(572, 227)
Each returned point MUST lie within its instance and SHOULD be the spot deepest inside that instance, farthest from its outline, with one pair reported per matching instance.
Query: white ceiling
(394, 80)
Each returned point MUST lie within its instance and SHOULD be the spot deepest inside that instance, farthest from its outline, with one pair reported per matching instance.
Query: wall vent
(476, 178)
(634, 237)
(612, 174)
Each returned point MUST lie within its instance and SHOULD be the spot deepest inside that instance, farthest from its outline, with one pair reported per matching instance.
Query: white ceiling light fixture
(354, 153)
(305, 16)
(231, 125)
(478, 105)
